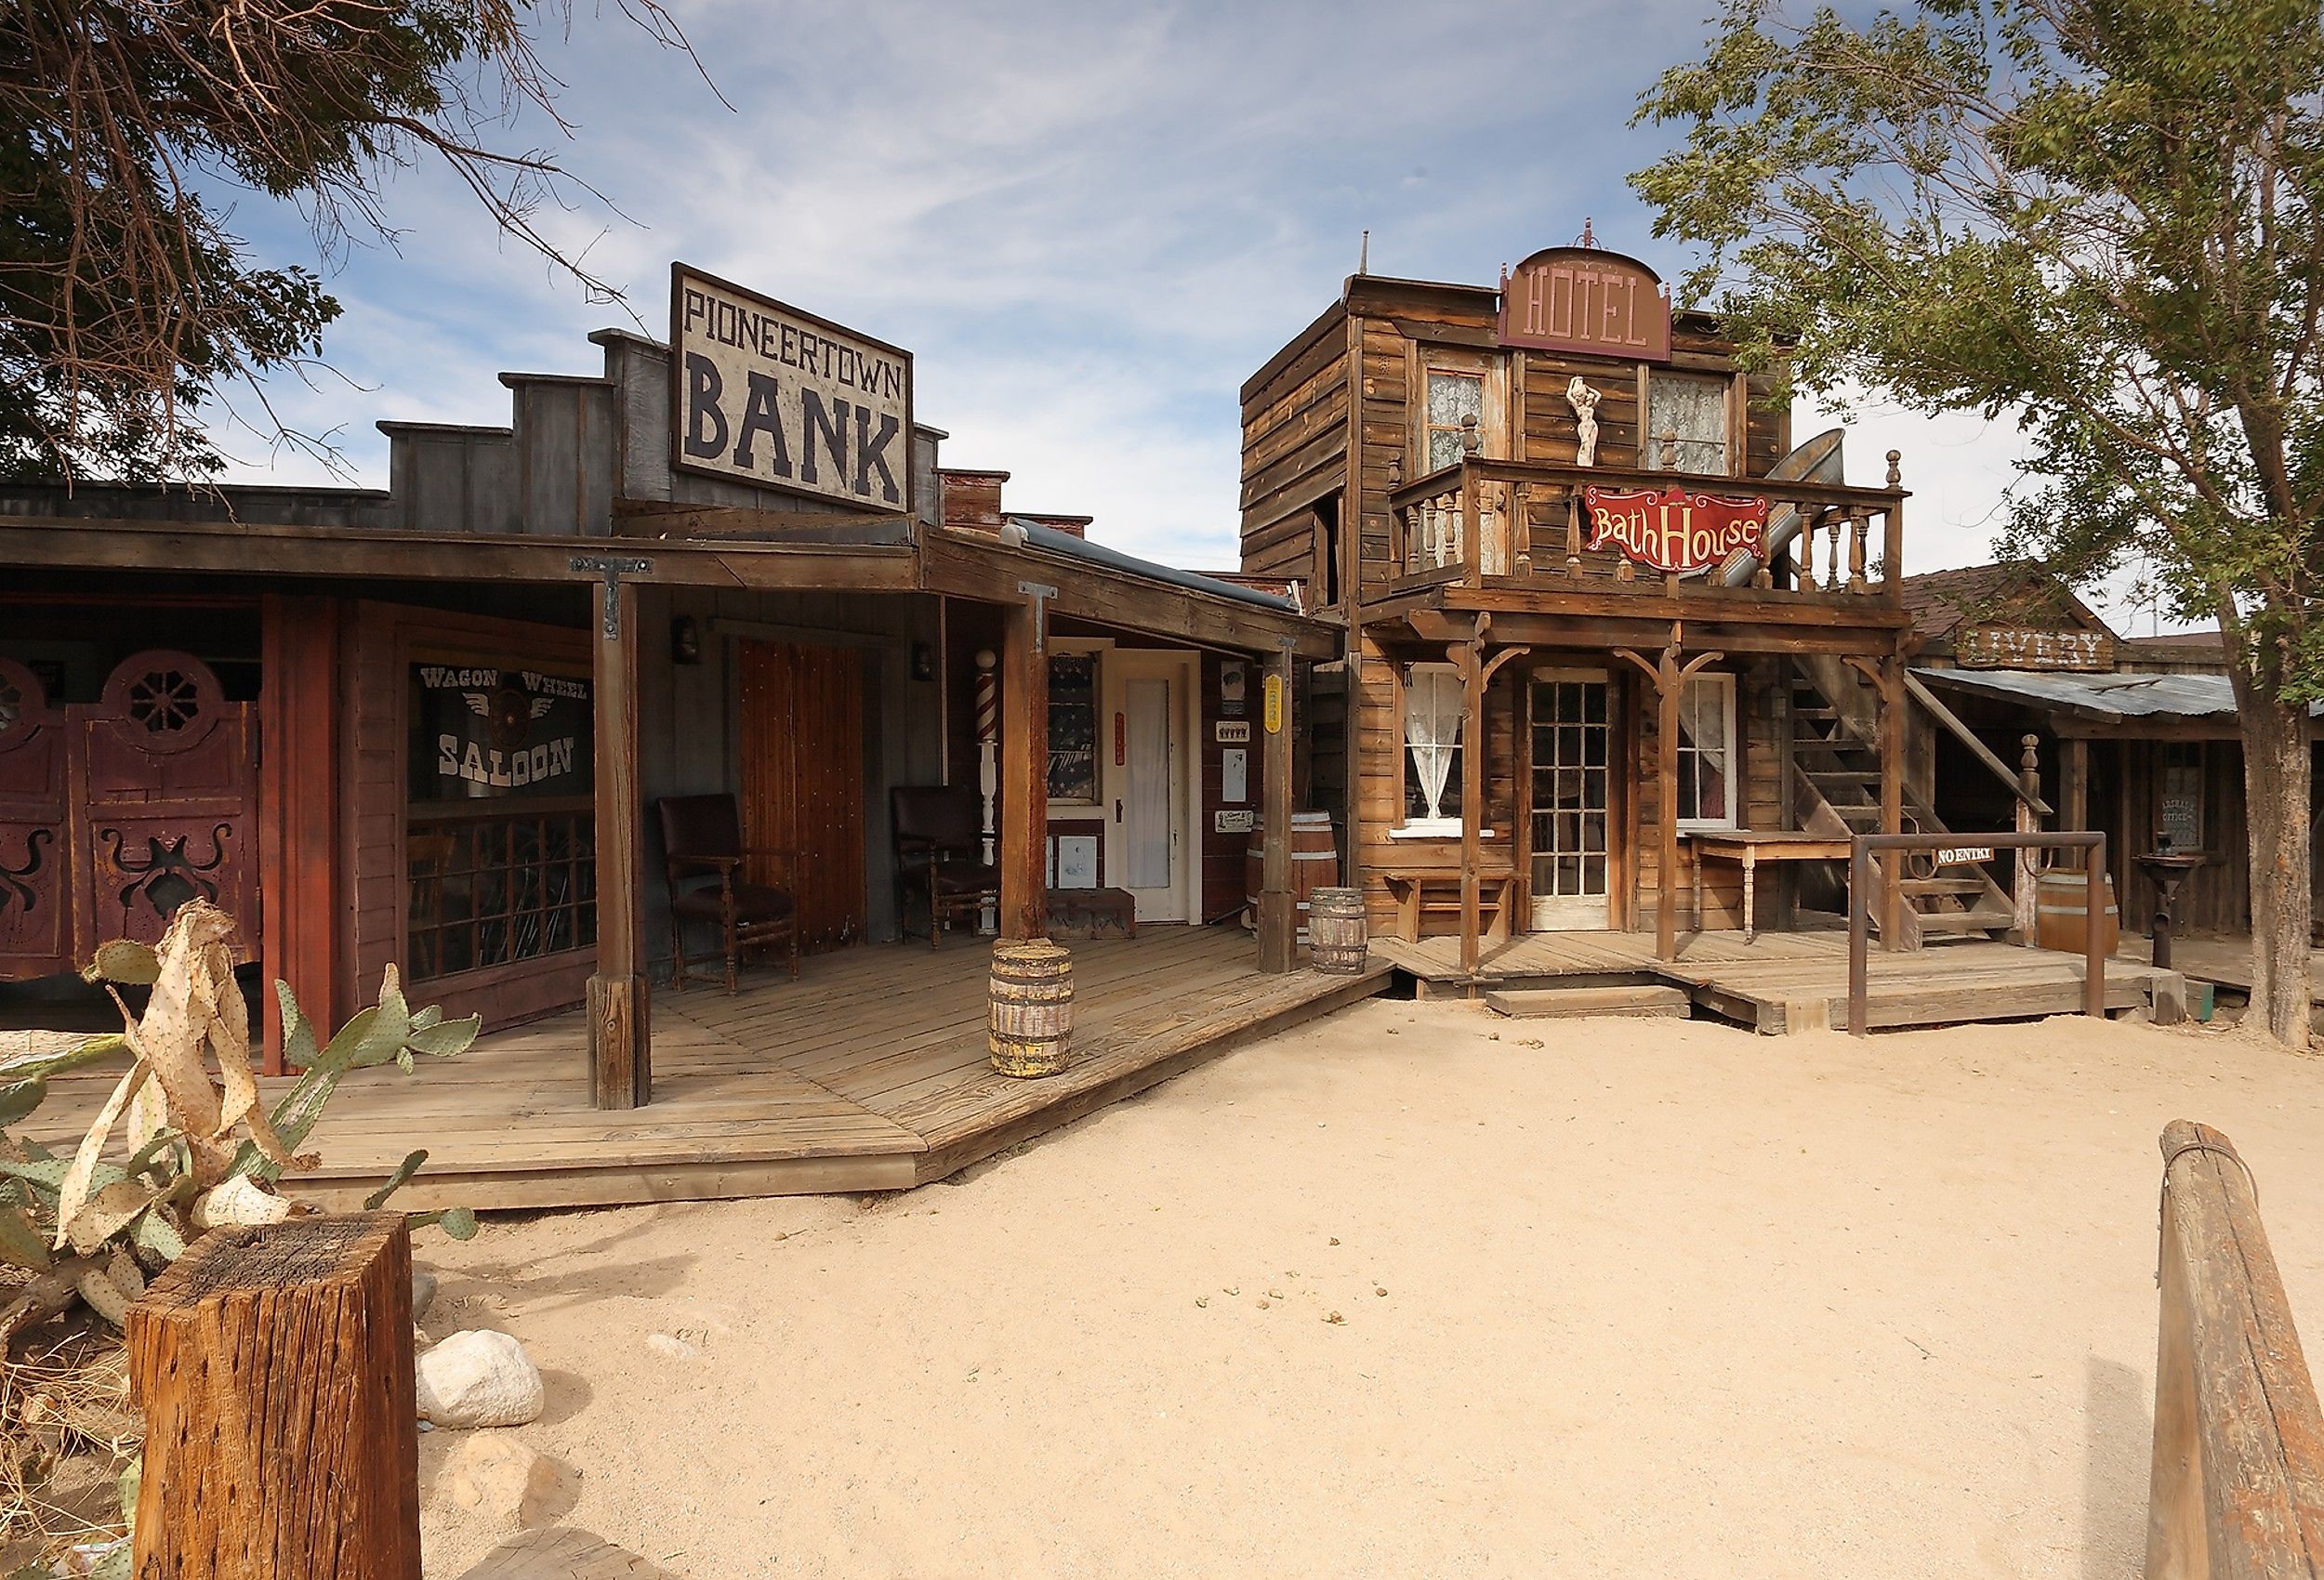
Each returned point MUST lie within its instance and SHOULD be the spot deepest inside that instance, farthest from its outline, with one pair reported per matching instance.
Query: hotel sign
(1589, 302)
(764, 394)
(1676, 530)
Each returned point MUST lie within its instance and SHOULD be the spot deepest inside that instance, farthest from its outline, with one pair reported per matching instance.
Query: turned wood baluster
(1831, 567)
(1857, 528)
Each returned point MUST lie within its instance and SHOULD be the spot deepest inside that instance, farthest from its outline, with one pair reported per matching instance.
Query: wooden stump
(282, 1438)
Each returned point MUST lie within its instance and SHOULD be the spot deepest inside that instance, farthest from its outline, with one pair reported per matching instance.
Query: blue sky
(1090, 223)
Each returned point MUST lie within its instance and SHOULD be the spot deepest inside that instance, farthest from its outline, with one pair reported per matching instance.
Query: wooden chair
(940, 841)
(702, 837)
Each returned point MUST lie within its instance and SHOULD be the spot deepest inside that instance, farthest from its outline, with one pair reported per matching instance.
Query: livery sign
(765, 394)
(1674, 531)
(482, 733)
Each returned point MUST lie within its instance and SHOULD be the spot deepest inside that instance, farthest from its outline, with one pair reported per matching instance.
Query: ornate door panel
(164, 781)
(35, 894)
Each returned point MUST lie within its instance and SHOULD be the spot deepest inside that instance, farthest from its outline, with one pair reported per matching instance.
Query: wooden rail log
(2238, 1483)
(282, 1441)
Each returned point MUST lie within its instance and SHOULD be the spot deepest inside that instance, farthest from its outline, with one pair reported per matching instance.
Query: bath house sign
(766, 394)
(1674, 531)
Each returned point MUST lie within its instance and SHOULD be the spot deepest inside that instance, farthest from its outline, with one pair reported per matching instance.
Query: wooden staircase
(1835, 789)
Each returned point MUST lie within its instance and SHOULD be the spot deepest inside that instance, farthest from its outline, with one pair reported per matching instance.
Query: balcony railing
(1482, 522)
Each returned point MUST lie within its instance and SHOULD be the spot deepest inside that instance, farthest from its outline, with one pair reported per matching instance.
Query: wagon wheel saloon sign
(1674, 531)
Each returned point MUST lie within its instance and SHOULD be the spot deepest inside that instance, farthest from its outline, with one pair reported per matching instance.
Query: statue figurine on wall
(1584, 401)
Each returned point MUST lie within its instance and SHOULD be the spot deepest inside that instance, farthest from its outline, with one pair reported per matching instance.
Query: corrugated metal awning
(2103, 699)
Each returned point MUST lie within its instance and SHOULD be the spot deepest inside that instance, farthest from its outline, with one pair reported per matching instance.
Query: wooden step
(1940, 886)
(1852, 811)
(1843, 776)
(1965, 921)
(1537, 1003)
(1815, 710)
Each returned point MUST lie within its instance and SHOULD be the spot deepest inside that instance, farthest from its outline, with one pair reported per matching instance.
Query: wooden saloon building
(433, 726)
(1618, 651)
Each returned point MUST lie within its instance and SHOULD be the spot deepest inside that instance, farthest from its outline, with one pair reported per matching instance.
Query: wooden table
(1748, 849)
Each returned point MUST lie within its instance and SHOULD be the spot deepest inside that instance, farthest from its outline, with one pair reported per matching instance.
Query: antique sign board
(482, 733)
(1674, 531)
(1590, 301)
(765, 394)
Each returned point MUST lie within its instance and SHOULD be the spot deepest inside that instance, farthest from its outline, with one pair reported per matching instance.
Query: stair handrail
(1968, 737)
(1862, 847)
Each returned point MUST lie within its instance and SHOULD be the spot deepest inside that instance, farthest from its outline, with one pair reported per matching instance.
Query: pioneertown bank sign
(763, 393)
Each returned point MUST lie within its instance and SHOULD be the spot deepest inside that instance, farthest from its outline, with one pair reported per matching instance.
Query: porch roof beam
(989, 572)
(1782, 613)
(66, 543)
(1436, 628)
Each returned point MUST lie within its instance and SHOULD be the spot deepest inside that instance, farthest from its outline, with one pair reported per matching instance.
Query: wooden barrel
(2059, 899)
(1314, 861)
(1033, 1008)
(1336, 937)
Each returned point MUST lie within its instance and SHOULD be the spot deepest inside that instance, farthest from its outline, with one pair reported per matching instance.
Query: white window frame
(1724, 681)
(1407, 826)
(1095, 648)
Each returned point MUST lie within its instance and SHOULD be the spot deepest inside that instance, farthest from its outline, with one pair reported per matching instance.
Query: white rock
(239, 1200)
(423, 1291)
(510, 1483)
(672, 1348)
(478, 1377)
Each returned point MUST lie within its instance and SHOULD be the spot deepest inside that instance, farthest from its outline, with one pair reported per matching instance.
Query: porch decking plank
(786, 1087)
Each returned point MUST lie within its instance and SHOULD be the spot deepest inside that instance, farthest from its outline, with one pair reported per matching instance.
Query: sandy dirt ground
(1417, 1291)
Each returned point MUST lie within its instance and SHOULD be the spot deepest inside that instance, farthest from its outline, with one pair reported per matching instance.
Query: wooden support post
(299, 824)
(1891, 733)
(1024, 770)
(1670, 677)
(282, 1438)
(2074, 785)
(1470, 662)
(2025, 904)
(1278, 908)
(621, 1045)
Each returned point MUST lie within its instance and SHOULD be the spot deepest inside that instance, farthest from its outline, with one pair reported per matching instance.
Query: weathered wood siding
(1295, 445)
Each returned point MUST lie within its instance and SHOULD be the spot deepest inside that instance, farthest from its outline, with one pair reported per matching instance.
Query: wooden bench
(1425, 891)
(1092, 912)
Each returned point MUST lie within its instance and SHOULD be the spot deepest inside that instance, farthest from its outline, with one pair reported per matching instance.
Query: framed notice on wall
(480, 733)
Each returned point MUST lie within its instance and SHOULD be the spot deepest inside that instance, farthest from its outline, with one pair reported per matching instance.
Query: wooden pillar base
(621, 1056)
(282, 1438)
(1278, 931)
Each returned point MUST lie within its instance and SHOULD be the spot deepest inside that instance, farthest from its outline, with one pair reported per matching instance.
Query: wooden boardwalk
(868, 1073)
(1790, 982)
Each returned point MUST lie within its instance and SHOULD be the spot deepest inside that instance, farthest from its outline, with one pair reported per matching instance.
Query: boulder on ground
(510, 1483)
(478, 1377)
(423, 1291)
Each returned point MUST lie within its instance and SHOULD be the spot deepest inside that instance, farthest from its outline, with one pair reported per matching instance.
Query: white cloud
(1091, 223)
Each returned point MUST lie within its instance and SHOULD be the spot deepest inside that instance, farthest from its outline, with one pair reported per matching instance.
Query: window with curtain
(1455, 401)
(1709, 759)
(1432, 749)
(1695, 408)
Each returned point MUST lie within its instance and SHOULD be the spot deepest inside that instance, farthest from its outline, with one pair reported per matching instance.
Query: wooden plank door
(35, 830)
(802, 781)
(165, 783)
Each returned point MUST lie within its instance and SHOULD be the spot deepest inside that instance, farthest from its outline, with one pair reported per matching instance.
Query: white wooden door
(1150, 851)
(1570, 796)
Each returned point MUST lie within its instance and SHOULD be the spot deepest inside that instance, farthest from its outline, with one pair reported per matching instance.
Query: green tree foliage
(2097, 217)
(126, 129)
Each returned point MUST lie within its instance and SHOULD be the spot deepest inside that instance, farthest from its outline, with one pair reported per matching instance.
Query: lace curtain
(1432, 728)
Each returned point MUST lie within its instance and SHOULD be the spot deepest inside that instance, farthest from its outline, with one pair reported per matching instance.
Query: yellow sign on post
(1273, 708)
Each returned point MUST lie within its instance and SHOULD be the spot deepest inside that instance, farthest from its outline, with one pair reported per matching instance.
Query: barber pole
(988, 765)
